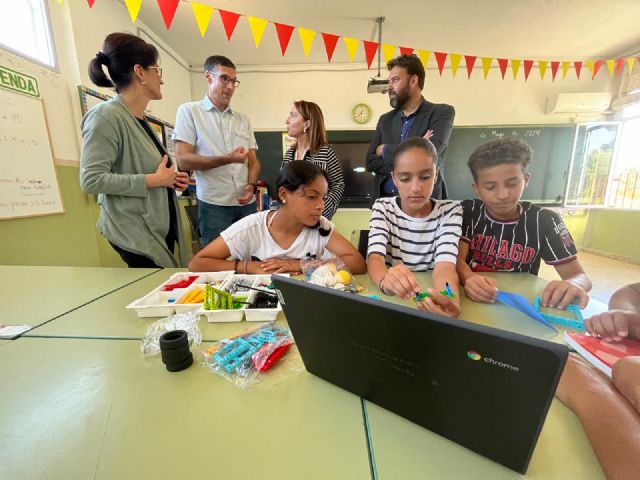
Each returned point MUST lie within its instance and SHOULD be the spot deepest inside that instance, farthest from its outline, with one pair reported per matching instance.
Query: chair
(196, 239)
(360, 238)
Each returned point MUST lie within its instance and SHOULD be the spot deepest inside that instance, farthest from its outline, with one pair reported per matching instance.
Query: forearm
(355, 263)
(464, 270)
(443, 273)
(201, 263)
(627, 298)
(193, 161)
(128, 185)
(254, 169)
(376, 268)
(581, 280)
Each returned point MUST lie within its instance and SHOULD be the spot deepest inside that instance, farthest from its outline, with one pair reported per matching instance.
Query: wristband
(380, 284)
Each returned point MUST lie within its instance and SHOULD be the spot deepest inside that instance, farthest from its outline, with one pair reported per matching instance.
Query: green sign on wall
(18, 82)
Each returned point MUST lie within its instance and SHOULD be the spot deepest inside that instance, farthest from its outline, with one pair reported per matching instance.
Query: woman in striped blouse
(305, 123)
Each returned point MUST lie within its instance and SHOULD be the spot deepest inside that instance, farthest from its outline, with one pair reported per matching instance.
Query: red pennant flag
(406, 50)
(168, 10)
(470, 60)
(284, 32)
(619, 65)
(229, 21)
(91, 2)
(503, 62)
(330, 42)
(554, 70)
(578, 67)
(596, 68)
(370, 49)
(440, 59)
(527, 68)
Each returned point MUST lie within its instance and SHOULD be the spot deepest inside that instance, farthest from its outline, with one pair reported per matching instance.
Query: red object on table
(274, 357)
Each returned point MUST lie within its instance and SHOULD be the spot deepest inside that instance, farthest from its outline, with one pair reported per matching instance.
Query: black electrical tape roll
(174, 347)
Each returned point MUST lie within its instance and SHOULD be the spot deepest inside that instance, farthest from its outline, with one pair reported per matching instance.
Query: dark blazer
(430, 116)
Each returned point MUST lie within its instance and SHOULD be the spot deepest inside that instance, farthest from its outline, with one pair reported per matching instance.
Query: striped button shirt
(418, 243)
(326, 159)
(517, 245)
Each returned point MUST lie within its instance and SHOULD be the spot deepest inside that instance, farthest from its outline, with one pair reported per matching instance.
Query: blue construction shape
(239, 351)
(576, 323)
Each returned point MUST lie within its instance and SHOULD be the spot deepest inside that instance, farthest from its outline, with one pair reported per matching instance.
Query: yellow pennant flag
(257, 26)
(203, 16)
(611, 64)
(565, 68)
(455, 61)
(542, 67)
(591, 66)
(134, 8)
(515, 65)
(630, 64)
(388, 51)
(423, 55)
(486, 65)
(59, 2)
(306, 38)
(352, 46)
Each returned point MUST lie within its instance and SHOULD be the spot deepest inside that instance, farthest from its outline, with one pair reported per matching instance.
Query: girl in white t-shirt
(275, 241)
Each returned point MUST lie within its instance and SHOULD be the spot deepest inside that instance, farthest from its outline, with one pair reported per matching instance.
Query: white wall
(266, 96)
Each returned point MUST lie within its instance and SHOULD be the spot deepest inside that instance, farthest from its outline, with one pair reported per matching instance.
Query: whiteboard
(28, 180)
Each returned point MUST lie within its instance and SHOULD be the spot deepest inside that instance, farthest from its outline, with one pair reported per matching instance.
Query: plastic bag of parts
(187, 321)
(330, 272)
(247, 357)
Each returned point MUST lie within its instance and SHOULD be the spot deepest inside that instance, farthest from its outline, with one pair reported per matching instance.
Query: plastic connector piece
(576, 323)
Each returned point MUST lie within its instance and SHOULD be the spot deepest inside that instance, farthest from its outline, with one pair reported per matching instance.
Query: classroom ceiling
(522, 29)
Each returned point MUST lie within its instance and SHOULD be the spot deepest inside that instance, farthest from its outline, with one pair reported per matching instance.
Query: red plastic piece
(274, 357)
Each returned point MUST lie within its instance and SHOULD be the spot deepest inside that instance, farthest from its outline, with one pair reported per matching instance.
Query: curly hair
(500, 151)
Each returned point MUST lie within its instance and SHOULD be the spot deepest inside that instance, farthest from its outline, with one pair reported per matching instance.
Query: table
(82, 408)
(35, 295)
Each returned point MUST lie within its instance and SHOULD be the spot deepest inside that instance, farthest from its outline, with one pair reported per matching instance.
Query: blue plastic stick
(522, 304)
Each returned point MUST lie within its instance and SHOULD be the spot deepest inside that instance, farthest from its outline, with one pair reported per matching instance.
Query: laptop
(485, 389)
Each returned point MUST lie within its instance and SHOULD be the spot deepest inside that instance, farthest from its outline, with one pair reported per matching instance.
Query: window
(25, 29)
(625, 184)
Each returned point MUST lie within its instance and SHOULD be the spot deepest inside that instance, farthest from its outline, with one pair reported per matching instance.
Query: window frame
(54, 53)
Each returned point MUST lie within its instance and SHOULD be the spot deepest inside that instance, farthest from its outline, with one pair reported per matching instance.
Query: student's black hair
(294, 175)
(416, 142)
(500, 151)
(412, 64)
(120, 52)
(212, 63)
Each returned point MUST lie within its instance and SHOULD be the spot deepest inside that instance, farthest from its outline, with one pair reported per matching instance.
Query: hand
(379, 149)
(281, 265)
(401, 281)
(579, 379)
(428, 135)
(481, 289)
(181, 181)
(560, 293)
(439, 303)
(614, 325)
(238, 155)
(163, 177)
(249, 192)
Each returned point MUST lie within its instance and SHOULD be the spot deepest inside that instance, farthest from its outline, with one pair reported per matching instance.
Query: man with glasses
(218, 144)
(412, 116)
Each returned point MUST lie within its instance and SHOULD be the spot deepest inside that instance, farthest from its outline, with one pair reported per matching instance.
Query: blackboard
(551, 145)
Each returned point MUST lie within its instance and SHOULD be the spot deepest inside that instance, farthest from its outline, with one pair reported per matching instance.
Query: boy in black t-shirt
(502, 234)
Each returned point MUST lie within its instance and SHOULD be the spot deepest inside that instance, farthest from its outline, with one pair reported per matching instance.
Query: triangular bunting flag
(486, 65)
(515, 65)
(503, 63)
(134, 8)
(203, 16)
(168, 10)
(370, 49)
(596, 68)
(257, 26)
(565, 69)
(229, 21)
(406, 50)
(528, 64)
(423, 55)
(454, 58)
(578, 68)
(542, 68)
(611, 65)
(284, 32)
(330, 42)
(470, 61)
(441, 57)
(554, 70)
(306, 38)
(388, 51)
(352, 46)
(630, 64)
(591, 67)
(90, 2)
(619, 65)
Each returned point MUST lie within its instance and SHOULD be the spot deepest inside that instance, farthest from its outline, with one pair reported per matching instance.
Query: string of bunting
(203, 14)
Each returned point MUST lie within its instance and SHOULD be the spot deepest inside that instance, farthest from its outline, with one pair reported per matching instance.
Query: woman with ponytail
(124, 163)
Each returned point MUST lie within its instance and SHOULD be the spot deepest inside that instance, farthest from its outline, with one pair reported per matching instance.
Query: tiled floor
(607, 274)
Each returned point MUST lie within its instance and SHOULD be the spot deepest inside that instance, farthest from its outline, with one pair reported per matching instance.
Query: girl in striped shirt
(305, 123)
(415, 233)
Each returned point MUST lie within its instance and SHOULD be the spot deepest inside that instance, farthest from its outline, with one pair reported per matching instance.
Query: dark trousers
(134, 260)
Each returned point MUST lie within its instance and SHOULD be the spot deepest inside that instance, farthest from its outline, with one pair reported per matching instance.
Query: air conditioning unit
(585, 103)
